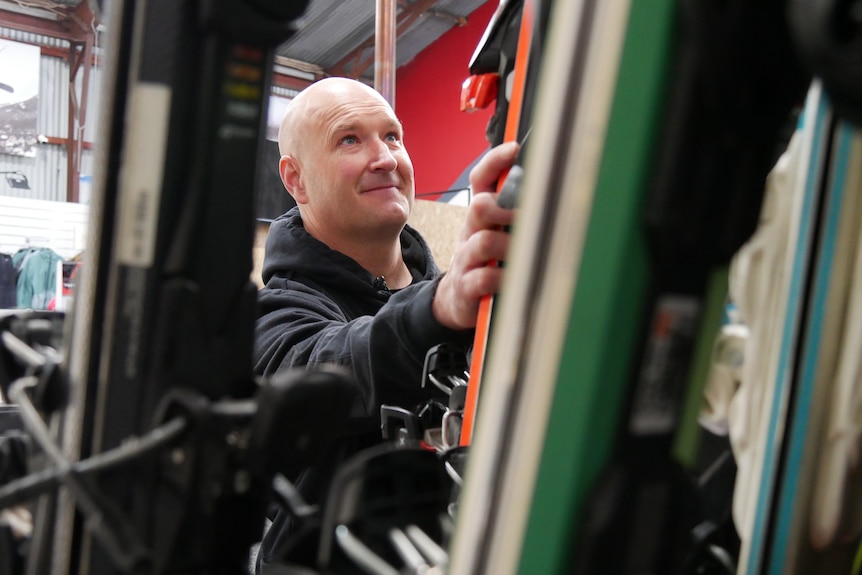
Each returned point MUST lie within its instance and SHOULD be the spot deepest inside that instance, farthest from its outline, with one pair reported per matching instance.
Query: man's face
(352, 166)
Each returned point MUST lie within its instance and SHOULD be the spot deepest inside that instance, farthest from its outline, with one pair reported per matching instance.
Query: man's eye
(349, 140)
(393, 137)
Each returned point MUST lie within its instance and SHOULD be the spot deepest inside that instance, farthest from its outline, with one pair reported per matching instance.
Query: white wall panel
(26, 222)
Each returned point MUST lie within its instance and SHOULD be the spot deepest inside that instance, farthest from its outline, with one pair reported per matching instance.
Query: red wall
(441, 139)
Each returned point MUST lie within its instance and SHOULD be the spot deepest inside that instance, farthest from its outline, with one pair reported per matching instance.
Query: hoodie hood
(292, 253)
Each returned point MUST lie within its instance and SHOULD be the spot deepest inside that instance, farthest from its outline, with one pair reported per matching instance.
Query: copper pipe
(384, 50)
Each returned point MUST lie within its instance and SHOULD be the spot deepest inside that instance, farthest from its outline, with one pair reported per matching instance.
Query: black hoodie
(319, 306)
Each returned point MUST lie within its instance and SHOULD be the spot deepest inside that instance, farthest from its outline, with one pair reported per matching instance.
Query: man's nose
(383, 157)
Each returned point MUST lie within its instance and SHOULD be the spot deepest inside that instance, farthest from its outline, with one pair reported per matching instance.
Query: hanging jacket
(37, 273)
(8, 275)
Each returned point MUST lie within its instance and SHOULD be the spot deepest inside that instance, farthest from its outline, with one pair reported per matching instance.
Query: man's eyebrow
(337, 131)
(339, 128)
(348, 127)
(396, 124)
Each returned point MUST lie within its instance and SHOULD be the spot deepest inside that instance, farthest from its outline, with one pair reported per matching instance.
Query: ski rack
(642, 179)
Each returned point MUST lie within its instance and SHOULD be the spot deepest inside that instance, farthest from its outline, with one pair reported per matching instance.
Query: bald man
(347, 281)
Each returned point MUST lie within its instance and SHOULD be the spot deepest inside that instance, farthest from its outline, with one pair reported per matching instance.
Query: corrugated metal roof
(330, 30)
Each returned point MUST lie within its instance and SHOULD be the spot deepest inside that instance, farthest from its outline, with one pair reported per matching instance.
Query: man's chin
(386, 201)
(394, 215)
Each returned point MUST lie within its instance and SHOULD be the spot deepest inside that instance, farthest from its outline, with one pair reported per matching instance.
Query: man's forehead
(346, 114)
(340, 89)
(357, 121)
(337, 107)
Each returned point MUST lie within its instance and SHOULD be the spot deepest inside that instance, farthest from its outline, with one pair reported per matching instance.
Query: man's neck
(385, 262)
(380, 255)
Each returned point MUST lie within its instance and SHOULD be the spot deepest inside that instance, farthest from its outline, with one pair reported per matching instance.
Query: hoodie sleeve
(299, 326)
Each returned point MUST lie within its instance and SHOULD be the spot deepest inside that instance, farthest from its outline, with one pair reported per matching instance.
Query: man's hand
(482, 240)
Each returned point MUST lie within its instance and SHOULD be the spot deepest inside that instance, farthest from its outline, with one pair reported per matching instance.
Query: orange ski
(512, 130)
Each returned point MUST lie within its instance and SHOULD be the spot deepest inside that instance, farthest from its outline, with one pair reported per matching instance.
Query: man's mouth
(381, 186)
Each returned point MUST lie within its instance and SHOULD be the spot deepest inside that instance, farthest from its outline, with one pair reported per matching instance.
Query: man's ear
(288, 169)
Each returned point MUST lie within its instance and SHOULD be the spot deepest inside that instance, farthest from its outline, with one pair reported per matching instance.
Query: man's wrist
(442, 306)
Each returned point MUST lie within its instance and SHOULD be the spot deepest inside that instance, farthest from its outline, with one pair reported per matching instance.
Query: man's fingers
(488, 245)
(483, 240)
(456, 304)
(481, 247)
(484, 175)
(483, 213)
(482, 281)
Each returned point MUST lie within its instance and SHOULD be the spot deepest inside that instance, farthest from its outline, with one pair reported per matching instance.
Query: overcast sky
(19, 68)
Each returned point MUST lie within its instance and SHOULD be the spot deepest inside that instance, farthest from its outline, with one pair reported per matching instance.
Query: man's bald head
(303, 111)
(344, 162)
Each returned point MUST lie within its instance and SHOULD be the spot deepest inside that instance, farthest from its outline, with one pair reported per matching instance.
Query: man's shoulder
(289, 293)
(290, 220)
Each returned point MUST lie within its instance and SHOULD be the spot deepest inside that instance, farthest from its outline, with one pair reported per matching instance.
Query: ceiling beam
(63, 29)
(360, 59)
(83, 17)
(461, 21)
